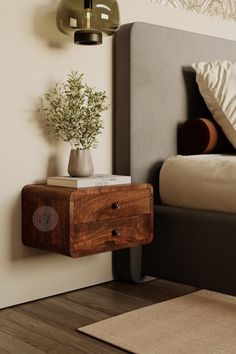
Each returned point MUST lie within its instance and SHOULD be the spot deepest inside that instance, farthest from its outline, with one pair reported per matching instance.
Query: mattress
(205, 182)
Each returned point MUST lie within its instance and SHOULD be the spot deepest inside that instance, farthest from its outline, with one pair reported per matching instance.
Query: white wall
(34, 55)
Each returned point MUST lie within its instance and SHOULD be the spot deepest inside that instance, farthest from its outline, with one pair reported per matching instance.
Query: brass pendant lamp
(87, 20)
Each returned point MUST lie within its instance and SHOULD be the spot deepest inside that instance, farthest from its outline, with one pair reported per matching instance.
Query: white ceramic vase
(80, 163)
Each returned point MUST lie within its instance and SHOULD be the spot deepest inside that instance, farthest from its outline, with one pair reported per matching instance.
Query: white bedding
(206, 182)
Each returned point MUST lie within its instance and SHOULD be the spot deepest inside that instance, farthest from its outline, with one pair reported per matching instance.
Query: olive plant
(72, 111)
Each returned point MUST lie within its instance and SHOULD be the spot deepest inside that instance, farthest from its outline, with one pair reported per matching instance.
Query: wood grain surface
(96, 207)
(97, 237)
(49, 325)
(80, 222)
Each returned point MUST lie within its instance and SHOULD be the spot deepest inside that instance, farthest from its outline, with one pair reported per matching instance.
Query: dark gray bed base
(191, 247)
(153, 69)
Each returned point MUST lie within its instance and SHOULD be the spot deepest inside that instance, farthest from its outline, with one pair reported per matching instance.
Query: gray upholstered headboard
(156, 90)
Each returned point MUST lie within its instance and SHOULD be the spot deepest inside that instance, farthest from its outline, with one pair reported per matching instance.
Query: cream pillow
(217, 84)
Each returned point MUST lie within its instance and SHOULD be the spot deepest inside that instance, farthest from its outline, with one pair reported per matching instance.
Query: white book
(92, 181)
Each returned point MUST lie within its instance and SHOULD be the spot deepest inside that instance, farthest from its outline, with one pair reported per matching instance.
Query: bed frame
(155, 92)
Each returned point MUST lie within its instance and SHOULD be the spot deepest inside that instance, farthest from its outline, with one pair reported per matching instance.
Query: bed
(156, 92)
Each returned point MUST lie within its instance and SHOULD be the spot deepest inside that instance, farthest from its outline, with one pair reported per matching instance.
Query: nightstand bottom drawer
(102, 236)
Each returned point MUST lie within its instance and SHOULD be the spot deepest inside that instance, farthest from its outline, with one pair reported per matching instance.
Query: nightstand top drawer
(116, 204)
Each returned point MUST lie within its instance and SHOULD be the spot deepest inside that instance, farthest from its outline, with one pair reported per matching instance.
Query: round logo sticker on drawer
(45, 218)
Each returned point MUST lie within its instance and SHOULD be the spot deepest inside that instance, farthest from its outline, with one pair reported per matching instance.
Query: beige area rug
(201, 322)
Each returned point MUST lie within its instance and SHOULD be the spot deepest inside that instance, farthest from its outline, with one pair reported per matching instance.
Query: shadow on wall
(45, 26)
(42, 124)
(53, 161)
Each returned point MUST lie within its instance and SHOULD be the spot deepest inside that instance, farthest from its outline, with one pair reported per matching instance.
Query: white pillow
(217, 84)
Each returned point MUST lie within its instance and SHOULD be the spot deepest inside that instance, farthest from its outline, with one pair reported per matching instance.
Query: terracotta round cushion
(198, 136)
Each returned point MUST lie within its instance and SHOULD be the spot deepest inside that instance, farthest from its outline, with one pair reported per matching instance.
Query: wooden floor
(49, 325)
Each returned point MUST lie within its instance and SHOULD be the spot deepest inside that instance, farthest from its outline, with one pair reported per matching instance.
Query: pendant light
(88, 20)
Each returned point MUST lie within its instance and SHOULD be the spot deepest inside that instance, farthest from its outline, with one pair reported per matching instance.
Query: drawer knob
(116, 232)
(115, 206)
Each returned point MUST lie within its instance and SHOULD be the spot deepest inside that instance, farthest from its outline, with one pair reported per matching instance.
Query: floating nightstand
(84, 221)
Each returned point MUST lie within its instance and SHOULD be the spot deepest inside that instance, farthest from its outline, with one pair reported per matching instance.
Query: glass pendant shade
(86, 20)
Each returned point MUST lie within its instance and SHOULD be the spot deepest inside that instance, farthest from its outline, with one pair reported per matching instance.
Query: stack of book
(92, 181)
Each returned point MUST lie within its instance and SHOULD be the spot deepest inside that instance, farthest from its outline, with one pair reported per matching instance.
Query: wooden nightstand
(80, 222)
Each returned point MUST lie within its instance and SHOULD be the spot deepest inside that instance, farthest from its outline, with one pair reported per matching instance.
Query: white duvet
(206, 182)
